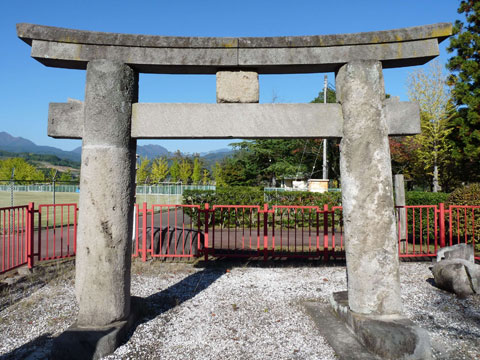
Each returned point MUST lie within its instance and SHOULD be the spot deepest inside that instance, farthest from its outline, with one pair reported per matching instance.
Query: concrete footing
(387, 336)
(80, 343)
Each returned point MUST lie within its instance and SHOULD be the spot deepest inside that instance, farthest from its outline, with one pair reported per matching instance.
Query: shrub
(465, 221)
(467, 195)
(242, 195)
(425, 198)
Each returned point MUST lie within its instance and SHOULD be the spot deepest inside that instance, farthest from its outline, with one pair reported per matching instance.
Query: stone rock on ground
(458, 251)
(458, 276)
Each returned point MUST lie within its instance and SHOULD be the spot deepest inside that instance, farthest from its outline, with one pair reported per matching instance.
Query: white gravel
(243, 312)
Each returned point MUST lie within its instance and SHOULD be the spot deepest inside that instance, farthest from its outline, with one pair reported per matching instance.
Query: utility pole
(325, 163)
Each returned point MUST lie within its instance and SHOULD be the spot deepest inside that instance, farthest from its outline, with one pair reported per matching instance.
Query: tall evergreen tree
(465, 80)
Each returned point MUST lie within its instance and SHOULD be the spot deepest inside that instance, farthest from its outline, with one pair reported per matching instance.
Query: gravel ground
(230, 311)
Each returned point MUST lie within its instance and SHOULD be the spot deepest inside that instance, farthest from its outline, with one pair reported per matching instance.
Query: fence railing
(238, 231)
(28, 234)
(41, 188)
(292, 231)
(429, 227)
(167, 231)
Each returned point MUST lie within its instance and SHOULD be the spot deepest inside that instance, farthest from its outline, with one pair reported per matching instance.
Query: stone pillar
(103, 258)
(400, 201)
(367, 194)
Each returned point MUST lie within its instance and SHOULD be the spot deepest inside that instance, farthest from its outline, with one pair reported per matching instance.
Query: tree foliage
(428, 88)
(175, 171)
(143, 171)
(23, 170)
(465, 80)
(269, 161)
(185, 170)
(197, 171)
(159, 169)
(205, 177)
(65, 177)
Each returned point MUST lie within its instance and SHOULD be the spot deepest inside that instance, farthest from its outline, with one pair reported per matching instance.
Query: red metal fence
(26, 234)
(167, 231)
(238, 231)
(291, 231)
(429, 227)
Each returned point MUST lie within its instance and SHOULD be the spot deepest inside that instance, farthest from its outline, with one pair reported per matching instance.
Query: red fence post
(325, 232)
(75, 220)
(265, 232)
(205, 246)
(30, 247)
(144, 232)
(442, 224)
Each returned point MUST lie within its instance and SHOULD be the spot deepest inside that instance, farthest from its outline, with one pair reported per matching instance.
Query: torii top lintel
(69, 48)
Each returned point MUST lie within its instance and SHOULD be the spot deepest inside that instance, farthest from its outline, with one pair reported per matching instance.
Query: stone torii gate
(110, 120)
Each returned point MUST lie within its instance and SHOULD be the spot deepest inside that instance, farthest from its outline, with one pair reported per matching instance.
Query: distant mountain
(212, 157)
(152, 151)
(223, 150)
(20, 145)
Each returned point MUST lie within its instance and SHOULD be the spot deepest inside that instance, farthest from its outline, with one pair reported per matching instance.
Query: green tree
(159, 169)
(465, 80)
(197, 174)
(51, 174)
(217, 174)
(205, 176)
(185, 171)
(429, 89)
(65, 177)
(175, 171)
(143, 171)
(23, 170)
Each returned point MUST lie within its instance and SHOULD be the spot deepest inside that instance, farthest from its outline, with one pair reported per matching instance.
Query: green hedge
(239, 195)
(235, 195)
(243, 195)
(425, 198)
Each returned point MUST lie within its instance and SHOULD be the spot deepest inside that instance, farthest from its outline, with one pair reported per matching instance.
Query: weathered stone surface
(389, 337)
(308, 59)
(336, 333)
(403, 118)
(146, 60)
(69, 48)
(458, 251)
(237, 87)
(211, 121)
(400, 201)
(65, 120)
(106, 201)
(458, 276)
(93, 342)
(367, 193)
(27, 32)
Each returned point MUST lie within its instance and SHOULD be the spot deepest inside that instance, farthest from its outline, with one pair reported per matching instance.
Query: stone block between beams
(237, 87)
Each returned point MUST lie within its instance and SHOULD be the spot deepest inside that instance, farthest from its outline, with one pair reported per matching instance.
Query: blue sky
(27, 86)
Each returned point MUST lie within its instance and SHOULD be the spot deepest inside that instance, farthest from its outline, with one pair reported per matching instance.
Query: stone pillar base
(78, 343)
(388, 336)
